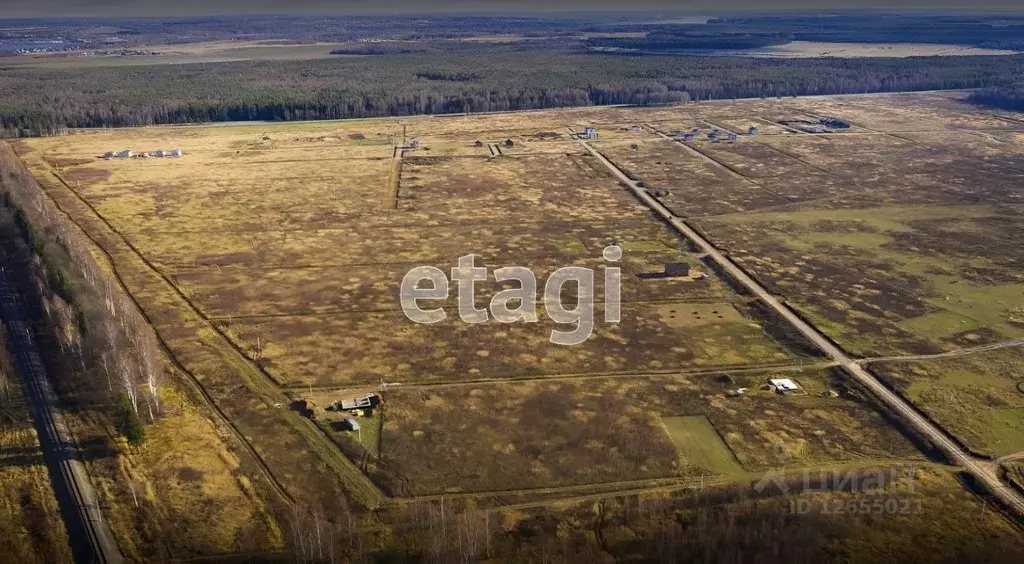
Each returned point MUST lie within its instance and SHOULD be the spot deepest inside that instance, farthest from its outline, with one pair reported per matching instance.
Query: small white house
(160, 153)
(126, 154)
(784, 385)
(175, 153)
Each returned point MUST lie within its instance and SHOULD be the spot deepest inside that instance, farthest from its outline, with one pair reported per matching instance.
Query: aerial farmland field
(269, 259)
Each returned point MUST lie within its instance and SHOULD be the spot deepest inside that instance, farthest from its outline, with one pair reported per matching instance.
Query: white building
(784, 385)
(175, 153)
(126, 154)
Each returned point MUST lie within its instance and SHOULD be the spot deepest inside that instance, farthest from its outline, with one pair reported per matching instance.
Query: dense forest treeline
(102, 347)
(1005, 97)
(695, 37)
(93, 33)
(994, 31)
(41, 101)
(1003, 30)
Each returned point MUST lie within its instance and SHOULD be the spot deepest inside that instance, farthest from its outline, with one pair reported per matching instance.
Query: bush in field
(128, 423)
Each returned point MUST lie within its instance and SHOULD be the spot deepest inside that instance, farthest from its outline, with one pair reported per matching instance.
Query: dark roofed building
(835, 123)
(677, 269)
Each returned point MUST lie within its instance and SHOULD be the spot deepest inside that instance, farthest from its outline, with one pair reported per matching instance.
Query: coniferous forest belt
(44, 101)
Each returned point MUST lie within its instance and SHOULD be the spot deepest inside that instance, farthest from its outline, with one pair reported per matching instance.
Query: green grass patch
(975, 398)
(1007, 431)
(369, 432)
(572, 246)
(853, 341)
(700, 445)
(1014, 472)
(939, 324)
(990, 305)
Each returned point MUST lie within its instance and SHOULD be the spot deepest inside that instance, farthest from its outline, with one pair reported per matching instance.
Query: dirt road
(959, 352)
(982, 472)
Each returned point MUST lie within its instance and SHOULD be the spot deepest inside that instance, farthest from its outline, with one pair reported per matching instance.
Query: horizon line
(522, 13)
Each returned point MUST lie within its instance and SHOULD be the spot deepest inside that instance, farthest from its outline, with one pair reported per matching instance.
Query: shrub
(128, 423)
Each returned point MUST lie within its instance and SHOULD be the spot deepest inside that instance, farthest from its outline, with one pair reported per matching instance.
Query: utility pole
(487, 531)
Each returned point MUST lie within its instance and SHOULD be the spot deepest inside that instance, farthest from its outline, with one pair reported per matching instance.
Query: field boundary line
(335, 312)
(388, 223)
(314, 435)
(712, 370)
(614, 488)
(702, 156)
(948, 354)
(720, 165)
(905, 410)
(780, 124)
(712, 481)
(715, 125)
(191, 379)
(394, 181)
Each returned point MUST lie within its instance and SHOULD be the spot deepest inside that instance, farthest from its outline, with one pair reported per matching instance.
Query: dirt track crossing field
(956, 454)
(268, 259)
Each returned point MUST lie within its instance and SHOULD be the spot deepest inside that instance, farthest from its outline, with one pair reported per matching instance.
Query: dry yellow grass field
(183, 493)
(270, 256)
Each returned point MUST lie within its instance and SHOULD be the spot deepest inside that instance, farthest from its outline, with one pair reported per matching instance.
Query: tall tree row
(94, 322)
(40, 101)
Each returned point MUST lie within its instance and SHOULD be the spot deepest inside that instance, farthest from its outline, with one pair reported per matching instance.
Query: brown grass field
(269, 258)
(977, 397)
(572, 432)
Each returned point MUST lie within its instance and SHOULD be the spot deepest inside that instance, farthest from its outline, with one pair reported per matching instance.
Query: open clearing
(269, 258)
(699, 444)
(799, 49)
(978, 397)
(528, 435)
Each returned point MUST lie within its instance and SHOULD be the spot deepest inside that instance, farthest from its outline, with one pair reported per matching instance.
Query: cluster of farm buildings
(349, 408)
(783, 386)
(676, 270)
(714, 135)
(820, 125)
(129, 154)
